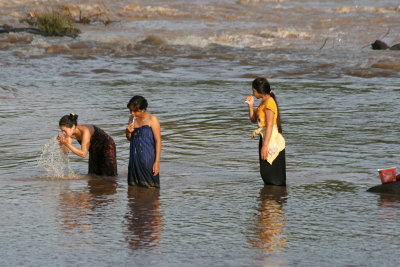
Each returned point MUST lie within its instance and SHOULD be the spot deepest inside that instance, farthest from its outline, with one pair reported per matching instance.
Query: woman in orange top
(271, 145)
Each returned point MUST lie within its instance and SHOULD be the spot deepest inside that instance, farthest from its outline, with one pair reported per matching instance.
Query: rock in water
(380, 45)
(389, 188)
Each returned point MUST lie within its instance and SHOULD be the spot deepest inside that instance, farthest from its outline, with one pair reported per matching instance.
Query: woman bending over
(93, 140)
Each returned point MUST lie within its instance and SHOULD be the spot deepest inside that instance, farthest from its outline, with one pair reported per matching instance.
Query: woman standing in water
(144, 133)
(93, 140)
(272, 144)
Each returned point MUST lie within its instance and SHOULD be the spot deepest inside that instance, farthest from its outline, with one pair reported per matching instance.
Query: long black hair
(261, 85)
(69, 120)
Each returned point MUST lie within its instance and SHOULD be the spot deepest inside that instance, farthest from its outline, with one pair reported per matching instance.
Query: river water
(194, 61)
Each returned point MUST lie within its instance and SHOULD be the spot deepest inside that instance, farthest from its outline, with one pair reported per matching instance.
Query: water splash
(54, 160)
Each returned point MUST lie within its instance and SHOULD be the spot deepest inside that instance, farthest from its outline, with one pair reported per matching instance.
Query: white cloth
(276, 142)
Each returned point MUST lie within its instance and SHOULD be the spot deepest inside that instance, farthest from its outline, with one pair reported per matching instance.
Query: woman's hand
(252, 114)
(61, 139)
(250, 100)
(129, 130)
(264, 152)
(156, 168)
(63, 142)
(130, 127)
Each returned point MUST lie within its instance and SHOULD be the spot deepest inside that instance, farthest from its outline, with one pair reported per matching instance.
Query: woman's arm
(129, 130)
(155, 126)
(269, 116)
(252, 114)
(85, 143)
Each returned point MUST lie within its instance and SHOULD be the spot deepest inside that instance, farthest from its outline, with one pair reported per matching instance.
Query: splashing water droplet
(54, 160)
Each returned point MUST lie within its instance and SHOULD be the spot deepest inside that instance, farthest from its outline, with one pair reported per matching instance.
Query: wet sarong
(102, 154)
(142, 155)
(275, 173)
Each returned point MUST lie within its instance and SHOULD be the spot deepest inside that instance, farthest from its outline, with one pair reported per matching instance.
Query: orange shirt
(269, 104)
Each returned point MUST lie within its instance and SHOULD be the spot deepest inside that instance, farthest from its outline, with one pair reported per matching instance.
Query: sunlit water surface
(195, 63)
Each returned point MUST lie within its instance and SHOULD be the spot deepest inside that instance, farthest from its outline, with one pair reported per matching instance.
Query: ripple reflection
(269, 223)
(78, 209)
(143, 219)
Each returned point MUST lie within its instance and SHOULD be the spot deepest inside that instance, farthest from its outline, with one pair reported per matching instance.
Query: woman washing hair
(272, 144)
(93, 140)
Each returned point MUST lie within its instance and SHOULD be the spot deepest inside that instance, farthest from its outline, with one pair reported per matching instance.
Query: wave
(92, 44)
(153, 11)
(349, 9)
(246, 2)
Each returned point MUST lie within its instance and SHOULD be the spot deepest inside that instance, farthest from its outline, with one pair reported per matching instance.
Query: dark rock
(380, 45)
(389, 188)
(395, 47)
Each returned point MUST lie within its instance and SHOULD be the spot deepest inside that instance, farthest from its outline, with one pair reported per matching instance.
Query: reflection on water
(388, 213)
(270, 220)
(78, 208)
(144, 220)
(74, 207)
(99, 188)
(338, 104)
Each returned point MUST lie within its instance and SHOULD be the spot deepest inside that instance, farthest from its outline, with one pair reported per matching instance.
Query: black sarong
(274, 174)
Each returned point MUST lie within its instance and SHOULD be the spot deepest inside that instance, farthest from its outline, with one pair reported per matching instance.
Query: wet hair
(138, 103)
(261, 85)
(69, 120)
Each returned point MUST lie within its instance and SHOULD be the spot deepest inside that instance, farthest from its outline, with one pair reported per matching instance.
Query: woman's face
(136, 112)
(67, 132)
(256, 94)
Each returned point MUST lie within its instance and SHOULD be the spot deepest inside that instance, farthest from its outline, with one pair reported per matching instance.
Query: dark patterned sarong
(102, 154)
(142, 155)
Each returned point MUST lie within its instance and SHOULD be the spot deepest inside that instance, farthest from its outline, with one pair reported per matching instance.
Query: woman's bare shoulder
(154, 121)
(152, 118)
(86, 128)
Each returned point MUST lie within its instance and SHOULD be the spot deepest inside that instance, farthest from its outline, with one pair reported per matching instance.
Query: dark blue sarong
(141, 158)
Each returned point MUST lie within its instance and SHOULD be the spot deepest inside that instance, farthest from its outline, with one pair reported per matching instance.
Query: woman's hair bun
(69, 120)
(73, 116)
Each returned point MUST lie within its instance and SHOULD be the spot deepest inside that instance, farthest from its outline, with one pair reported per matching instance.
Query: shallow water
(194, 62)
